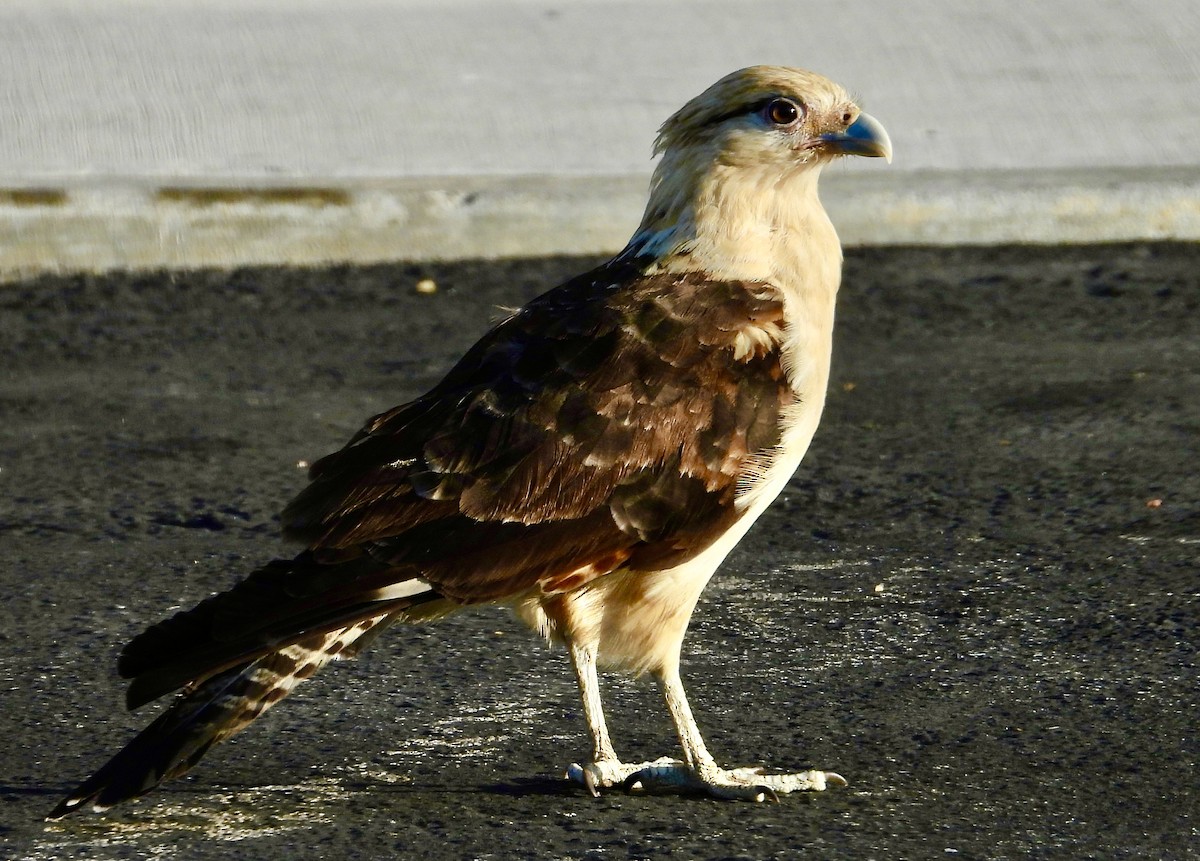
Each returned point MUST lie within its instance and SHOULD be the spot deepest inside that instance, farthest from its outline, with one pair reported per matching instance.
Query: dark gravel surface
(978, 599)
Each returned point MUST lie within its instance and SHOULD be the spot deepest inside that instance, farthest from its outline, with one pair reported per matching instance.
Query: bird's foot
(740, 784)
(607, 773)
(666, 774)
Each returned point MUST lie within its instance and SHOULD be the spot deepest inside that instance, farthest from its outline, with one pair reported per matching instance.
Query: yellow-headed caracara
(589, 462)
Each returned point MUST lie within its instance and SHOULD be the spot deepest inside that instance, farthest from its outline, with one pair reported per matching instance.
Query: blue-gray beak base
(865, 136)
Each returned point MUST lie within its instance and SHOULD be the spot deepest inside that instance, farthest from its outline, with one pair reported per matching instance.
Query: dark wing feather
(609, 418)
(606, 423)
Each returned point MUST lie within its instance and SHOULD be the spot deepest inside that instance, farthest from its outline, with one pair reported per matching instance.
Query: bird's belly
(636, 619)
(645, 615)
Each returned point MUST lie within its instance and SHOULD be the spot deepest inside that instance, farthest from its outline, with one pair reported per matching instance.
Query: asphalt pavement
(976, 600)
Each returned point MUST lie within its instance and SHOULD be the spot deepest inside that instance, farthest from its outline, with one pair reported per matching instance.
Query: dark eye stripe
(752, 108)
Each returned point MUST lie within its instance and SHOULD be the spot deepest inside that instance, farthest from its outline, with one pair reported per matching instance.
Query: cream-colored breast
(639, 618)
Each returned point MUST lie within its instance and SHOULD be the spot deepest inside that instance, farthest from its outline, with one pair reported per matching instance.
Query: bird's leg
(605, 769)
(699, 772)
(583, 659)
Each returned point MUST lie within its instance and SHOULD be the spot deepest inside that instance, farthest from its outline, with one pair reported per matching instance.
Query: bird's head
(771, 116)
(748, 150)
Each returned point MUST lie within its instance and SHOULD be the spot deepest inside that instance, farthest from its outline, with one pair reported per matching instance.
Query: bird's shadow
(522, 787)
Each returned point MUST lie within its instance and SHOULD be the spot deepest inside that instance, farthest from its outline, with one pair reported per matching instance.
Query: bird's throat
(740, 224)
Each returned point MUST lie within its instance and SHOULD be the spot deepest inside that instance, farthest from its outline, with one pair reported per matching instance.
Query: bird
(589, 462)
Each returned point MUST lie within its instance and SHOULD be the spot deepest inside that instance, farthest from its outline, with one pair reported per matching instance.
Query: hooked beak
(865, 136)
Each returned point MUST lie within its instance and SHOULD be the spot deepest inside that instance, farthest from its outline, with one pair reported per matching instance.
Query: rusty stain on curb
(21, 197)
(214, 196)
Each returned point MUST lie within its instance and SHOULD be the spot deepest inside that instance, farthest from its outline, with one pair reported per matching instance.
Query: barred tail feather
(283, 602)
(215, 709)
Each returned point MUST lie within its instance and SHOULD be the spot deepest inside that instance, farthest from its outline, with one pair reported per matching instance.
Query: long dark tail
(236, 655)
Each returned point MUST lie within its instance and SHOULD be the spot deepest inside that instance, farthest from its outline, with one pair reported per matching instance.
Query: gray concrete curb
(101, 226)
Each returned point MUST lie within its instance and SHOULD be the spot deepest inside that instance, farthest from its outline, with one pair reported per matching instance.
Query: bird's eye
(782, 112)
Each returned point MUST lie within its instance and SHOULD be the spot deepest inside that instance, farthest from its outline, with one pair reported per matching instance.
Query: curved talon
(633, 781)
(576, 773)
(766, 793)
(589, 783)
(832, 778)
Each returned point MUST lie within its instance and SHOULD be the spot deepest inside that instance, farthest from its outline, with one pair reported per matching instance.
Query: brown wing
(605, 424)
(607, 421)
